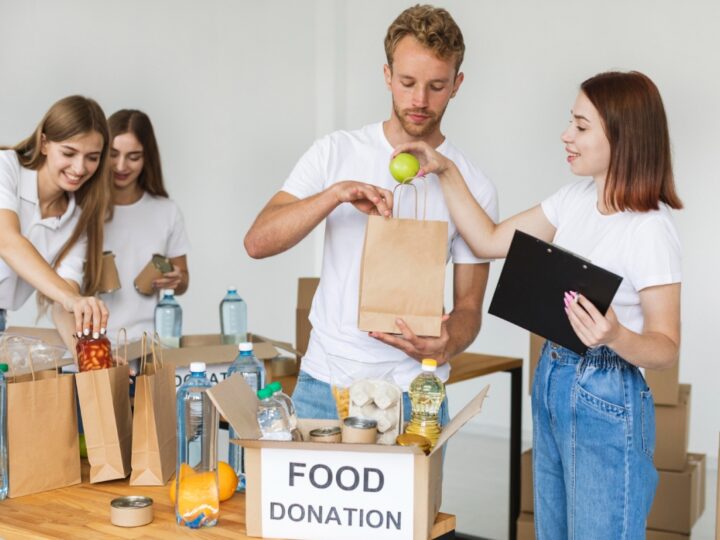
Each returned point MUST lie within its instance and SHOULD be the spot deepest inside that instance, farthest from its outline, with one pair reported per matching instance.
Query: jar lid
(360, 423)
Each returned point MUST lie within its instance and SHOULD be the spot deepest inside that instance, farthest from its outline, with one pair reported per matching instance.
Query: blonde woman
(55, 195)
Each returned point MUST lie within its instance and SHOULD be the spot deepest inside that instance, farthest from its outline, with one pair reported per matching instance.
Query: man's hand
(369, 199)
(418, 347)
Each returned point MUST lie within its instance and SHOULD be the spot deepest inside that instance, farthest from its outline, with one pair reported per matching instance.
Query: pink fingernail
(567, 303)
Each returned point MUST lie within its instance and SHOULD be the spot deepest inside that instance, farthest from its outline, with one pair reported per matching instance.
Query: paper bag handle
(410, 184)
(158, 358)
(122, 332)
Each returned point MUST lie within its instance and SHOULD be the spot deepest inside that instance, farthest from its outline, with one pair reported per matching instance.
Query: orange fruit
(185, 470)
(227, 481)
(198, 496)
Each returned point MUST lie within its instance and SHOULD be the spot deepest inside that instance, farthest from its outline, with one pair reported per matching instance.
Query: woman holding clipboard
(593, 414)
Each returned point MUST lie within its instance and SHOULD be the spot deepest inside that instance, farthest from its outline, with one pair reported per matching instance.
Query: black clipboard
(533, 282)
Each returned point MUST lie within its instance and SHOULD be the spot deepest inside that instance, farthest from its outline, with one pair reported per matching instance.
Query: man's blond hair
(432, 27)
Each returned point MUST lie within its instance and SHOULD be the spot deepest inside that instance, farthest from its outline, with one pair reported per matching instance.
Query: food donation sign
(329, 495)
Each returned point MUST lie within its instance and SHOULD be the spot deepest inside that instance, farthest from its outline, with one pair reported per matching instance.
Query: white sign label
(319, 495)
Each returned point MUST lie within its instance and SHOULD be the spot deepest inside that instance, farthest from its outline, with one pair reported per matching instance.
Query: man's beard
(431, 124)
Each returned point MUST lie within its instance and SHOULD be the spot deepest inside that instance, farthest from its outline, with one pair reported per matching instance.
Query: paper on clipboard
(533, 282)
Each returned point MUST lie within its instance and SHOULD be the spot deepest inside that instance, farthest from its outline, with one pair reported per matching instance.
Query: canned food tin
(359, 430)
(326, 435)
(131, 511)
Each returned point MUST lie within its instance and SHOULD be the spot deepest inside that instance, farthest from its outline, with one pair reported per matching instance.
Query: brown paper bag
(403, 275)
(154, 434)
(42, 432)
(104, 396)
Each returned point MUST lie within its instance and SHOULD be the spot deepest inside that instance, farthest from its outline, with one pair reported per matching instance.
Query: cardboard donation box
(209, 348)
(525, 526)
(310, 490)
(672, 427)
(679, 498)
(665, 384)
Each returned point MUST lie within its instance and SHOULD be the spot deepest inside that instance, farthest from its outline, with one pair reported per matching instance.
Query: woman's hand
(592, 327)
(431, 161)
(90, 313)
(169, 280)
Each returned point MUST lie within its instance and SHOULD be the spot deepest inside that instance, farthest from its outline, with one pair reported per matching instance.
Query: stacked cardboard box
(680, 495)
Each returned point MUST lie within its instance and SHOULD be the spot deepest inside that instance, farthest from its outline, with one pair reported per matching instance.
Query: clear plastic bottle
(286, 400)
(197, 502)
(253, 371)
(168, 319)
(427, 393)
(272, 417)
(233, 318)
(4, 465)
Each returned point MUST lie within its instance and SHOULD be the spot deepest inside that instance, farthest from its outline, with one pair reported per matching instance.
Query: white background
(237, 90)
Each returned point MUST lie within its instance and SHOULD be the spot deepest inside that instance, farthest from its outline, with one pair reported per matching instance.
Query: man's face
(421, 85)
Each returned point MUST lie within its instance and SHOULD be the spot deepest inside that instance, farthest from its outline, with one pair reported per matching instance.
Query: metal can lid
(412, 439)
(360, 423)
(325, 431)
(131, 501)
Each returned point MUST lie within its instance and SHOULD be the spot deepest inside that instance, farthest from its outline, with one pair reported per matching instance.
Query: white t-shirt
(336, 344)
(19, 193)
(642, 247)
(136, 232)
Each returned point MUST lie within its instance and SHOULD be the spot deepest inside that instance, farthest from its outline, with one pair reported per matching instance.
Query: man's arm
(286, 220)
(459, 328)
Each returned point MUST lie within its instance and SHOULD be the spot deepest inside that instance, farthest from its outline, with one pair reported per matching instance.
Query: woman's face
(72, 162)
(585, 141)
(127, 160)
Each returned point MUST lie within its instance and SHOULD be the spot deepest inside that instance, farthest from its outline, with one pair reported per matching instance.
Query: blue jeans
(594, 439)
(3, 319)
(314, 399)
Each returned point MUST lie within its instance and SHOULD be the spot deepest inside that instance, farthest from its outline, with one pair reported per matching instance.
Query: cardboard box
(679, 498)
(306, 490)
(526, 482)
(209, 348)
(536, 344)
(672, 428)
(665, 384)
(525, 526)
(664, 535)
(306, 292)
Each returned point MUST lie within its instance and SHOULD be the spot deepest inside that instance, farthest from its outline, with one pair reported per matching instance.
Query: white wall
(238, 90)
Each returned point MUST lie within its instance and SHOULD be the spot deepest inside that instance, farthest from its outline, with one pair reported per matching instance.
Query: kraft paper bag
(403, 275)
(43, 445)
(154, 434)
(104, 397)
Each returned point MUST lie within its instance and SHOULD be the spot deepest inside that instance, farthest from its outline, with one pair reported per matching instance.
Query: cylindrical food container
(411, 439)
(359, 430)
(326, 435)
(131, 511)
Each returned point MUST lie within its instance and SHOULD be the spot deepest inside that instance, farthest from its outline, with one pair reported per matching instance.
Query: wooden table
(82, 512)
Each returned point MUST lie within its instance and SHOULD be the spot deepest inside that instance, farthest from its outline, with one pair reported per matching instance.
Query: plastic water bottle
(286, 400)
(197, 502)
(272, 417)
(233, 317)
(4, 465)
(168, 319)
(427, 393)
(253, 371)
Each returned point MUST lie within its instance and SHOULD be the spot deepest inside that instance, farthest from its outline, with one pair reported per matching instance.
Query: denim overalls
(593, 444)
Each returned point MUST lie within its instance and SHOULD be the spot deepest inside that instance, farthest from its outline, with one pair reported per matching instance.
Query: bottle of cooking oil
(427, 393)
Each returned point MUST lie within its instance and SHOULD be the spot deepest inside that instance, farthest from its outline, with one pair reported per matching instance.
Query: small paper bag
(403, 275)
(154, 433)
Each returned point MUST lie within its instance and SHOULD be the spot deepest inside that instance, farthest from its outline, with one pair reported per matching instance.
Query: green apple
(404, 167)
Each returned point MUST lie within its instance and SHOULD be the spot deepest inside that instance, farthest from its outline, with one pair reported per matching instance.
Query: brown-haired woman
(54, 197)
(145, 222)
(593, 414)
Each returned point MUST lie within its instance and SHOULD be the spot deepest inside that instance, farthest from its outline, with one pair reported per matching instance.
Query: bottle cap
(167, 292)
(428, 364)
(411, 439)
(264, 393)
(3, 368)
(197, 367)
(246, 346)
(232, 289)
(275, 386)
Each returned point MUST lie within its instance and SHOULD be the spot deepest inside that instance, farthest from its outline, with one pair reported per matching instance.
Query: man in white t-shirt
(424, 49)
